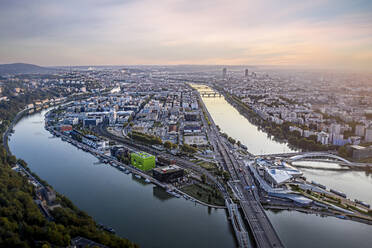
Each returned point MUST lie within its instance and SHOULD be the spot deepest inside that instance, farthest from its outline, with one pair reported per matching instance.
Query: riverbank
(39, 220)
(116, 199)
(327, 228)
(115, 163)
(280, 133)
(8, 131)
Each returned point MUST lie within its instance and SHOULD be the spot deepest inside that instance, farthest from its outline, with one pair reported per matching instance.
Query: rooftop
(167, 169)
(144, 154)
(356, 147)
(280, 176)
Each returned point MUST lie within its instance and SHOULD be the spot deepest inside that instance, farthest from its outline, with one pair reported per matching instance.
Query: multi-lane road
(236, 220)
(263, 232)
(260, 225)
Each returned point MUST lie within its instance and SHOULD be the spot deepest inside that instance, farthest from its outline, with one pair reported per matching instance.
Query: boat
(338, 193)
(105, 161)
(362, 203)
(174, 194)
(107, 228)
(111, 230)
(147, 180)
(341, 217)
(138, 176)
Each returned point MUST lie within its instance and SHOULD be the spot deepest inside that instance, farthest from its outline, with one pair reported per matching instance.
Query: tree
(203, 178)
(168, 144)
(313, 137)
(189, 149)
(22, 162)
(226, 175)
(231, 140)
(342, 151)
(12, 160)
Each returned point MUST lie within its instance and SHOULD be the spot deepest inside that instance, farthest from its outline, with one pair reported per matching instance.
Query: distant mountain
(22, 68)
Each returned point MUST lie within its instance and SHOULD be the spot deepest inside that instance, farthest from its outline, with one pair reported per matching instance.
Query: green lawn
(205, 194)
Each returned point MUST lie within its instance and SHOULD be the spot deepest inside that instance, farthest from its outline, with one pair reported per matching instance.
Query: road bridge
(210, 94)
(237, 223)
(236, 219)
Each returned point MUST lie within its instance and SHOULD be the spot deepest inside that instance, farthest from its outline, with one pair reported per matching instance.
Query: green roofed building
(142, 160)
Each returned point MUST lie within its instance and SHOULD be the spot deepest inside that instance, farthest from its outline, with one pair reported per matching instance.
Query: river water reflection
(239, 128)
(149, 217)
(140, 212)
(294, 228)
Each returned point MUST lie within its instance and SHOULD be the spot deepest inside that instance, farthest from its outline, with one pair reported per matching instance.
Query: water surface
(297, 229)
(140, 212)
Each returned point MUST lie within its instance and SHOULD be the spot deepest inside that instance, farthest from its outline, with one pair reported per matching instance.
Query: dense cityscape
(185, 124)
(155, 123)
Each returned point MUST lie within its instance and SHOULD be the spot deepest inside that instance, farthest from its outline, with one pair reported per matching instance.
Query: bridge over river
(210, 94)
(329, 157)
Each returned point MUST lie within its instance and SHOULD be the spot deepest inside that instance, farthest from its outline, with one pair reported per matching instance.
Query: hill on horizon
(23, 68)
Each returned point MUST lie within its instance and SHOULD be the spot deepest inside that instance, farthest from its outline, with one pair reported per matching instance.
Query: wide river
(151, 218)
(138, 211)
(294, 228)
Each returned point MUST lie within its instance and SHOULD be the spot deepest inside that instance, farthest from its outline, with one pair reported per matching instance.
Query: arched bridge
(319, 155)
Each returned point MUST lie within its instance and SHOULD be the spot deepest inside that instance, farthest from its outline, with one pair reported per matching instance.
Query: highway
(262, 230)
(236, 220)
(261, 227)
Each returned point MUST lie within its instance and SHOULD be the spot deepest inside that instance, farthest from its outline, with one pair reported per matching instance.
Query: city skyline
(320, 34)
(186, 123)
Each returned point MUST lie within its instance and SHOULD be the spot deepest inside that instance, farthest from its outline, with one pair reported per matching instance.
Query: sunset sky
(335, 34)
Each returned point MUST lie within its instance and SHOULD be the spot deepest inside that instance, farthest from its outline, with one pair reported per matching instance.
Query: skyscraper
(224, 72)
(246, 73)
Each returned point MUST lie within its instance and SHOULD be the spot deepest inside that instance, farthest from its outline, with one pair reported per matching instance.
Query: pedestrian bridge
(319, 155)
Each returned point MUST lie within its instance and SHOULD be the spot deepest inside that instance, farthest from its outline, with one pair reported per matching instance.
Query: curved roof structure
(316, 155)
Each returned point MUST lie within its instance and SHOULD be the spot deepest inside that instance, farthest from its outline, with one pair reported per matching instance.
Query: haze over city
(317, 34)
(186, 123)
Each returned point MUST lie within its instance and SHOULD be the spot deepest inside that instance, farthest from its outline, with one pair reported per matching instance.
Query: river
(149, 217)
(294, 228)
(138, 211)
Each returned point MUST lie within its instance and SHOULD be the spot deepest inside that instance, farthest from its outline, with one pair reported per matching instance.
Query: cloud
(332, 34)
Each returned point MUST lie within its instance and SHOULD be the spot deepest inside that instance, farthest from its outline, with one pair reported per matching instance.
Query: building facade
(142, 160)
